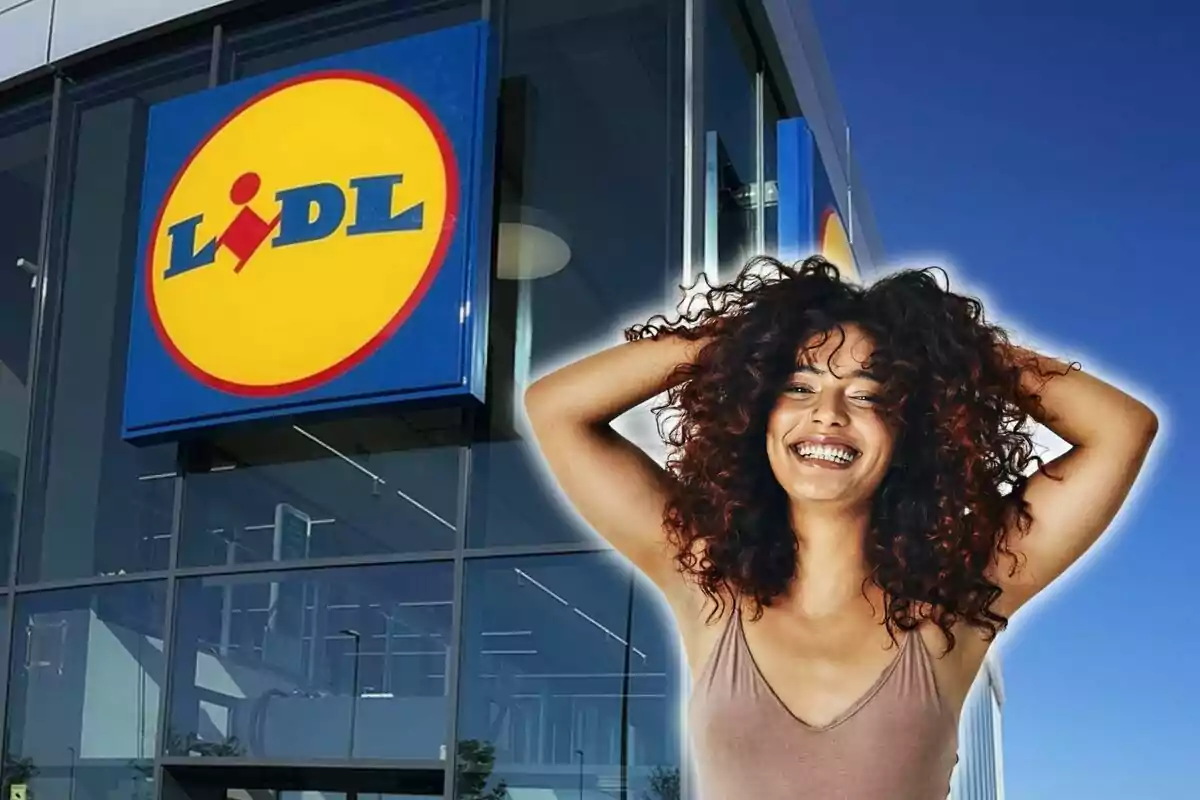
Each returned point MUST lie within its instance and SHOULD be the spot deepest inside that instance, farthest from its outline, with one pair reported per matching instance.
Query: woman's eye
(799, 389)
(866, 398)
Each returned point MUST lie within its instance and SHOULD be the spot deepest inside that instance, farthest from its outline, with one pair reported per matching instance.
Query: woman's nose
(830, 410)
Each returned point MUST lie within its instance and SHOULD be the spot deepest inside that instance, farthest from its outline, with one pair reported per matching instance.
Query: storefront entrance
(206, 781)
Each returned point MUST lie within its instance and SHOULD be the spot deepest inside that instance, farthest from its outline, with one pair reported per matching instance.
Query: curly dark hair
(951, 389)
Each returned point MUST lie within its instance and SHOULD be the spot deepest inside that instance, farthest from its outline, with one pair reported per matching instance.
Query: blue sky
(1050, 157)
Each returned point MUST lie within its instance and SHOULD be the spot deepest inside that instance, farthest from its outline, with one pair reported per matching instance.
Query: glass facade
(742, 103)
(372, 487)
(85, 680)
(731, 141)
(569, 679)
(313, 663)
(386, 605)
(24, 150)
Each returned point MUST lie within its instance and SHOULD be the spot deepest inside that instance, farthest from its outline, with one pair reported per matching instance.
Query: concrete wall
(34, 33)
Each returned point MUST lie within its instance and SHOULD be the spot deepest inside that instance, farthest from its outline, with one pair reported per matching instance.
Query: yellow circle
(297, 312)
(835, 245)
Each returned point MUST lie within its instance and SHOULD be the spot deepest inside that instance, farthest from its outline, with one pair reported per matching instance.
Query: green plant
(664, 784)
(476, 760)
(176, 744)
(17, 771)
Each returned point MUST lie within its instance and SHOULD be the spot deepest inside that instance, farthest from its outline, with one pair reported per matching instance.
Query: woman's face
(827, 440)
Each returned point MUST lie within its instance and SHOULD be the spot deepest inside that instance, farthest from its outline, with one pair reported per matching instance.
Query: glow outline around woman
(849, 466)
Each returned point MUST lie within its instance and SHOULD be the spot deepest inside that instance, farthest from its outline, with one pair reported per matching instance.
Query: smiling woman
(850, 475)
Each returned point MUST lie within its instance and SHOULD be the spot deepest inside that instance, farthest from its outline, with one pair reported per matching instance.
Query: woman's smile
(826, 452)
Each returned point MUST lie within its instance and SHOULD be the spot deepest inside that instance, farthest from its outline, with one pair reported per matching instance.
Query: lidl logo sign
(319, 250)
(314, 238)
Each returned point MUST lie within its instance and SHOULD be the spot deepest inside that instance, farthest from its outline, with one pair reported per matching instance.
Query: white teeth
(825, 452)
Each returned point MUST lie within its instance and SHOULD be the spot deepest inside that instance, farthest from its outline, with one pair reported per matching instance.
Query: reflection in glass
(338, 29)
(313, 664)
(590, 135)
(349, 488)
(24, 137)
(511, 503)
(731, 141)
(102, 506)
(83, 701)
(569, 681)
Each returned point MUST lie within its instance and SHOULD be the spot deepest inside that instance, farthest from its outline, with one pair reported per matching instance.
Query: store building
(980, 771)
(359, 601)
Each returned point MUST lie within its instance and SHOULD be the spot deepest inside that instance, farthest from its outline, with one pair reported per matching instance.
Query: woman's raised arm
(613, 483)
(1073, 498)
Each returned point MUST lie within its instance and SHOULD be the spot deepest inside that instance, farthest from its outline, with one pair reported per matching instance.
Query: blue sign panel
(795, 156)
(809, 220)
(316, 238)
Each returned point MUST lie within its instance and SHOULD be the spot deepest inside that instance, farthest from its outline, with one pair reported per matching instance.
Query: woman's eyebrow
(858, 373)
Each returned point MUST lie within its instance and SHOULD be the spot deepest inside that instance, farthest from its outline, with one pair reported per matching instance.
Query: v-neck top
(898, 741)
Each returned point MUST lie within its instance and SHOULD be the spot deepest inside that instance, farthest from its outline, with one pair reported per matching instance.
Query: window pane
(24, 138)
(510, 504)
(313, 664)
(590, 232)
(349, 488)
(731, 149)
(349, 27)
(84, 691)
(544, 683)
(104, 506)
(658, 687)
(5, 643)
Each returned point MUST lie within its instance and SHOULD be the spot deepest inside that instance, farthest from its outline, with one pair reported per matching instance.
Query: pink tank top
(899, 741)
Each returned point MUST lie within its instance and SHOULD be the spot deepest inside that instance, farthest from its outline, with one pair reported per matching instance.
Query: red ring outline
(414, 299)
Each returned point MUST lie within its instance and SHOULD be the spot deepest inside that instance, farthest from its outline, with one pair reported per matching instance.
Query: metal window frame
(9, 593)
(694, 162)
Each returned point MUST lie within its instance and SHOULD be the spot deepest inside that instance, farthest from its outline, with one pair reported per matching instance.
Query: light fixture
(530, 244)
